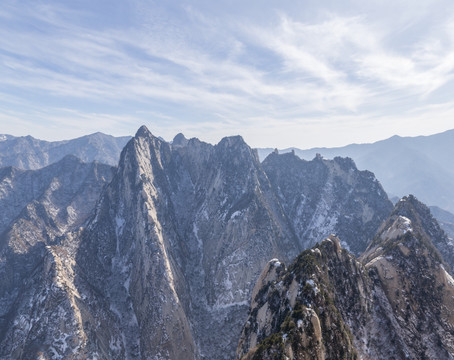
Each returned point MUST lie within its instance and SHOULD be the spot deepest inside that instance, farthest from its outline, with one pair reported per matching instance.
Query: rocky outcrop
(395, 302)
(179, 237)
(409, 270)
(419, 219)
(296, 314)
(40, 209)
(322, 197)
(445, 219)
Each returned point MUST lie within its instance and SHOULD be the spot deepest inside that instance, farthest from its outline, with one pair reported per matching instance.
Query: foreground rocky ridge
(395, 302)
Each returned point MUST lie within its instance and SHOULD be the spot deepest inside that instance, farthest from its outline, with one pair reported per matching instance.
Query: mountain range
(162, 257)
(404, 165)
(28, 153)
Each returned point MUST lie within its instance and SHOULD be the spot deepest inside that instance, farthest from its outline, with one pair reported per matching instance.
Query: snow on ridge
(120, 222)
(275, 262)
(400, 227)
(227, 306)
(448, 276)
(405, 224)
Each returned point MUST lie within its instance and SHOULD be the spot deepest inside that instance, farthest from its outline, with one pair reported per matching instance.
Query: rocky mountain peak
(234, 146)
(233, 151)
(322, 197)
(394, 303)
(143, 132)
(143, 157)
(346, 163)
(294, 313)
(232, 141)
(411, 219)
(179, 140)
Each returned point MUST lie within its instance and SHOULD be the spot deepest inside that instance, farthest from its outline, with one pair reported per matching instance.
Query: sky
(280, 73)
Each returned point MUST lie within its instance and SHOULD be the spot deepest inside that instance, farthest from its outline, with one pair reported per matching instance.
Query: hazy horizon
(227, 135)
(281, 75)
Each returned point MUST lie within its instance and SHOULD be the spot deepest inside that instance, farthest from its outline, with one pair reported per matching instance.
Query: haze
(280, 74)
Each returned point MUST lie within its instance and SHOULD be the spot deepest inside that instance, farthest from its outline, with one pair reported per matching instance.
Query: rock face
(445, 219)
(294, 313)
(322, 197)
(178, 240)
(39, 209)
(29, 153)
(395, 302)
(421, 218)
(165, 266)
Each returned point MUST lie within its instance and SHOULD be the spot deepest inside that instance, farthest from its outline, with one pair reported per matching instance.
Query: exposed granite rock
(322, 197)
(445, 219)
(396, 302)
(187, 229)
(420, 218)
(40, 209)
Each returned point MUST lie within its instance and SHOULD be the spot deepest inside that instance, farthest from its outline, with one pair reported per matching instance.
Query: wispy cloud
(221, 74)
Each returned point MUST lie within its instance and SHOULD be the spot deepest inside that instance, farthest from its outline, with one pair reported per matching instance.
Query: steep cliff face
(395, 302)
(177, 242)
(405, 261)
(322, 197)
(425, 224)
(39, 210)
(296, 313)
(445, 219)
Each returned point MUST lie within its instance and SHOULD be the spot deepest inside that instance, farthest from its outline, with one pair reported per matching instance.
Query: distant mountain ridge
(419, 165)
(28, 153)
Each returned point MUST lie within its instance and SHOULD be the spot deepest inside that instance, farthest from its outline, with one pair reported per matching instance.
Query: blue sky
(279, 73)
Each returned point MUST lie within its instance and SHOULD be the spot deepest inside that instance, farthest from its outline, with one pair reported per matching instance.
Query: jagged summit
(327, 304)
(346, 163)
(143, 132)
(295, 312)
(412, 221)
(235, 141)
(322, 197)
(179, 140)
